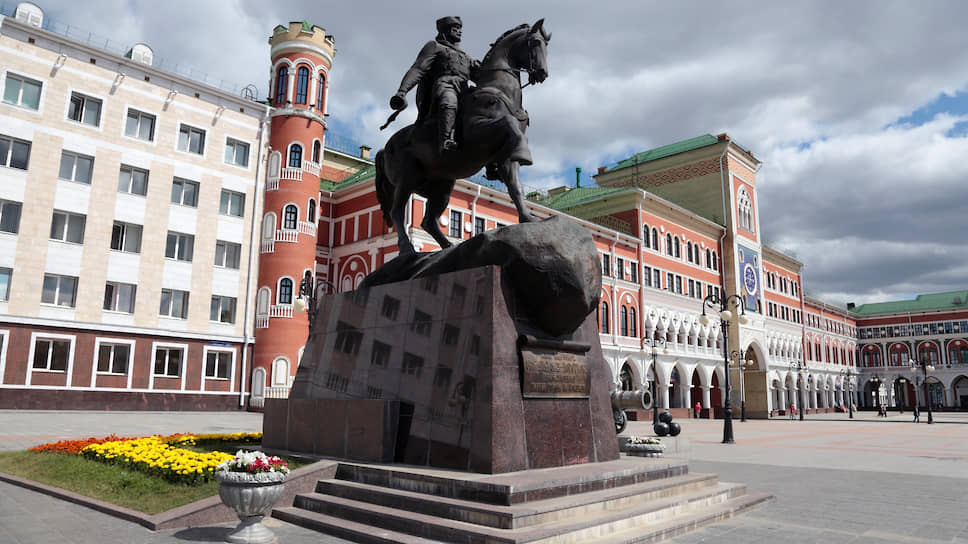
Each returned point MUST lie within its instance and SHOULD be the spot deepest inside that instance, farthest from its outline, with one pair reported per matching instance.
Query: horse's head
(537, 46)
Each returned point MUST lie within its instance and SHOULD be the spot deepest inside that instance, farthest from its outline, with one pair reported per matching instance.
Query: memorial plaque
(554, 369)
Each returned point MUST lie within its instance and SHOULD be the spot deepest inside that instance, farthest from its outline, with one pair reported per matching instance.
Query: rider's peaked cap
(446, 22)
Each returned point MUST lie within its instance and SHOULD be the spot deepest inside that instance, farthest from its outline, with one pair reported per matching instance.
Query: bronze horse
(491, 127)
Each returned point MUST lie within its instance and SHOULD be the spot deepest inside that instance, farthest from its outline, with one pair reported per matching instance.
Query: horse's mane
(501, 37)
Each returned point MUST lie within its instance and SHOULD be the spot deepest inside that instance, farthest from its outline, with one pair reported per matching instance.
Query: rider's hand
(398, 101)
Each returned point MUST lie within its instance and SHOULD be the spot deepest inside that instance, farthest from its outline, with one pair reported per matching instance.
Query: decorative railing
(280, 310)
(292, 174)
(311, 167)
(277, 392)
(268, 245)
(306, 227)
(262, 321)
(287, 235)
(272, 184)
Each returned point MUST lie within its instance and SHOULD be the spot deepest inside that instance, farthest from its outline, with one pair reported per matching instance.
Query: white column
(783, 400)
(664, 394)
(706, 402)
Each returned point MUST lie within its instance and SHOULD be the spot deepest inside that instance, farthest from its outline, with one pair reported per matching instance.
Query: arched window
(290, 217)
(311, 211)
(645, 235)
(604, 317)
(689, 251)
(302, 85)
(295, 156)
(655, 238)
(715, 261)
(623, 322)
(285, 291)
(676, 247)
(633, 324)
(709, 259)
(745, 210)
(282, 84)
(317, 149)
(262, 301)
(320, 91)
(269, 226)
(669, 243)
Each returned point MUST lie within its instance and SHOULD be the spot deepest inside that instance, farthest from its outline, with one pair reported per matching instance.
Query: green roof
(580, 195)
(666, 151)
(366, 173)
(923, 303)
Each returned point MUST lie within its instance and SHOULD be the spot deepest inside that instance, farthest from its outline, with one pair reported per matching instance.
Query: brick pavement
(864, 481)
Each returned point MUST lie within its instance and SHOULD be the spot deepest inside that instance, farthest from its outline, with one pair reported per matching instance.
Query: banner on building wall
(749, 271)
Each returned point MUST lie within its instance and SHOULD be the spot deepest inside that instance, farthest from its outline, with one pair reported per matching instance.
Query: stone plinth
(430, 372)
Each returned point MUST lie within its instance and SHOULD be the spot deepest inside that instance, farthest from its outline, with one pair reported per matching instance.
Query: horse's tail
(384, 189)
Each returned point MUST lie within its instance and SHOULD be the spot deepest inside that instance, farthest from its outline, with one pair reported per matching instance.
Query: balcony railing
(292, 174)
(272, 184)
(311, 167)
(262, 321)
(268, 245)
(306, 227)
(280, 310)
(287, 235)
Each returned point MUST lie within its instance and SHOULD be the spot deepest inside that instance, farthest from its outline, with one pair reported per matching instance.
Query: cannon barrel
(631, 400)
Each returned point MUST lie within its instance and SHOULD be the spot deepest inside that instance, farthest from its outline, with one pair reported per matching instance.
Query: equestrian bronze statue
(486, 130)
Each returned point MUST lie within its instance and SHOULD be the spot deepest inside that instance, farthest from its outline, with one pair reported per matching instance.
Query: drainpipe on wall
(246, 339)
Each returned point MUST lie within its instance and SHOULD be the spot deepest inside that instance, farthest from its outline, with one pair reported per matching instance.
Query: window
(126, 237)
(391, 306)
(606, 265)
(320, 92)
(412, 364)
(184, 192)
(285, 291)
(670, 281)
(451, 335)
(174, 303)
(67, 227)
(282, 84)
(179, 246)
(191, 139)
(623, 322)
(227, 254)
(84, 109)
(442, 376)
(317, 150)
(647, 276)
(14, 153)
(119, 297)
(675, 245)
(168, 362)
(21, 91)
(302, 85)
(455, 221)
(380, 355)
(745, 210)
(478, 225)
(222, 309)
(9, 216)
(633, 324)
(133, 180)
(645, 236)
(113, 358)
(669, 244)
(678, 284)
(5, 276)
(236, 152)
(290, 216)
(620, 268)
(74, 167)
(218, 364)
(311, 211)
(59, 290)
(232, 203)
(604, 317)
(657, 279)
(50, 354)
(634, 273)
(295, 156)
(422, 323)
(140, 125)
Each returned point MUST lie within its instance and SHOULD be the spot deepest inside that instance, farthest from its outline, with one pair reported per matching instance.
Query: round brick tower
(302, 55)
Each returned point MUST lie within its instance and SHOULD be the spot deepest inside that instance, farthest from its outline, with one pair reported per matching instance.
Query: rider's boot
(445, 127)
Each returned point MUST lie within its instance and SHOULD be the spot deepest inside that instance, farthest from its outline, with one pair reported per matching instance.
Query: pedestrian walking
(917, 414)
(793, 411)
(696, 409)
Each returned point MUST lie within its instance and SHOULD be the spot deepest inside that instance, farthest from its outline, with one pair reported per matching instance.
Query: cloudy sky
(859, 110)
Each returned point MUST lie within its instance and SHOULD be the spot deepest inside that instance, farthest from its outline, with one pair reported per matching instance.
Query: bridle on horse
(515, 71)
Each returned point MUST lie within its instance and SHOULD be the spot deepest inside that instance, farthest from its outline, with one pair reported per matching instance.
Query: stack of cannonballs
(666, 426)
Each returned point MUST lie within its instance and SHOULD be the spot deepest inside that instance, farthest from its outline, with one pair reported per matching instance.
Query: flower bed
(645, 446)
(152, 455)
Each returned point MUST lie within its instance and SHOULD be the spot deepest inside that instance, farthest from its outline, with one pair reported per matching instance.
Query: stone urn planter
(645, 450)
(250, 496)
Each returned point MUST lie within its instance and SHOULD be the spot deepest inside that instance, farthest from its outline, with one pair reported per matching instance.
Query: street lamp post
(655, 343)
(725, 305)
(876, 380)
(308, 296)
(801, 369)
(848, 375)
(925, 367)
(737, 361)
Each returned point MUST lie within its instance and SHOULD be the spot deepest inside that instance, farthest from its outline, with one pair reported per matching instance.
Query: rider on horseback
(440, 73)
